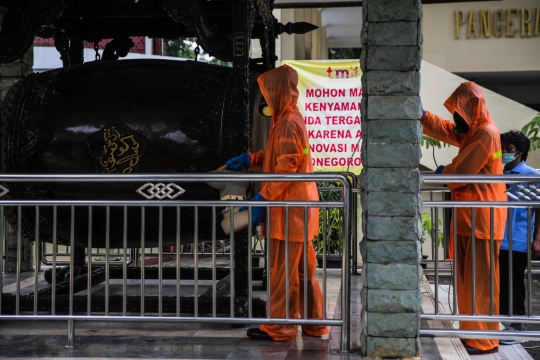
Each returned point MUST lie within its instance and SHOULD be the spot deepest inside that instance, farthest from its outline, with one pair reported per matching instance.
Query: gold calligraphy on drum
(120, 153)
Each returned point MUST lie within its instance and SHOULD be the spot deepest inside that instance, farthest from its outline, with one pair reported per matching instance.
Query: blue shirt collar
(517, 169)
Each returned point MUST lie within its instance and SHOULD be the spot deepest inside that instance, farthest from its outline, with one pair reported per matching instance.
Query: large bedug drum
(131, 116)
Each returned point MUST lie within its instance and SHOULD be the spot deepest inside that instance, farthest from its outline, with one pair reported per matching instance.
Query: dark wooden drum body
(132, 116)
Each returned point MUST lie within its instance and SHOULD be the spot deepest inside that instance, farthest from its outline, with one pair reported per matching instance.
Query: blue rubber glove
(239, 162)
(439, 169)
(257, 213)
(423, 112)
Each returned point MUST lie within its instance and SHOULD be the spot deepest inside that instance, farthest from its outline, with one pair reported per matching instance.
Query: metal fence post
(345, 270)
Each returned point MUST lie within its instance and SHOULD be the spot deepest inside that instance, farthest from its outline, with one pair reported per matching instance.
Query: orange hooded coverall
(287, 151)
(479, 153)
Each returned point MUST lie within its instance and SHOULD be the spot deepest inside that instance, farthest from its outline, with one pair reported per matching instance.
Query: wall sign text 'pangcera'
(508, 22)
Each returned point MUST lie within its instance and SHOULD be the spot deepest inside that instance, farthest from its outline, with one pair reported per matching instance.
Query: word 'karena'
(483, 23)
(333, 92)
(333, 134)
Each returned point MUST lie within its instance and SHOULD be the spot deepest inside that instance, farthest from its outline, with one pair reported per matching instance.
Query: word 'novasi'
(317, 148)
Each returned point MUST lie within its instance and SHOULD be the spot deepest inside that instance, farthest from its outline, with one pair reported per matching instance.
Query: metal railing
(451, 266)
(44, 305)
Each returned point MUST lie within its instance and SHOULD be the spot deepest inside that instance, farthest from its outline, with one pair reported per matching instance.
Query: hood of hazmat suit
(287, 151)
(479, 153)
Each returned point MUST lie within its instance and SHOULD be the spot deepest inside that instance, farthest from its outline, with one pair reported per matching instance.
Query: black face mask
(264, 109)
(461, 125)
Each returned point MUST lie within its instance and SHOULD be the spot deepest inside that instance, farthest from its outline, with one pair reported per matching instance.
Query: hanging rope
(197, 52)
(96, 49)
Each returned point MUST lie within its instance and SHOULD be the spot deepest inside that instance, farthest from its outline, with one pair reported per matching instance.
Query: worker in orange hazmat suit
(287, 151)
(478, 139)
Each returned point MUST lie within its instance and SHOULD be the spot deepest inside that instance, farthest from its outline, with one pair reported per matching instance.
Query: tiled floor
(446, 348)
(95, 340)
(153, 340)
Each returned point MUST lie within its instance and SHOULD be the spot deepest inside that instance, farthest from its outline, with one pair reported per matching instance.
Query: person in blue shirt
(515, 148)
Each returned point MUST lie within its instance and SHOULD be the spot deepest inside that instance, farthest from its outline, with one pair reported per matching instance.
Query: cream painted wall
(441, 48)
(310, 46)
(438, 84)
(256, 51)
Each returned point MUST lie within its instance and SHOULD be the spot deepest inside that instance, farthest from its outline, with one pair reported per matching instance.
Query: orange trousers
(296, 290)
(464, 259)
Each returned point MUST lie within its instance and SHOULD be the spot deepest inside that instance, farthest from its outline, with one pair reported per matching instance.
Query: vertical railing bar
(107, 255)
(143, 254)
(124, 265)
(71, 334)
(196, 262)
(287, 302)
(250, 263)
(19, 239)
(529, 277)
(491, 264)
(324, 262)
(214, 281)
(135, 256)
(89, 264)
(178, 261)
(44, 252)
(71, 259)
(55, 251)
(346, 272)
(454, 265)
(473, 250)
(231, 260)
(268, 263)
(432, 227)
(2, 244)
(354, 221)
(305, 262)
(510, 265)
(435, 242)
(160, 262)
(36, 261)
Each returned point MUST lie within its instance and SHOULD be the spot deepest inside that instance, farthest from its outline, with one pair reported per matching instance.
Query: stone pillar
(9, 74)
(391, 204)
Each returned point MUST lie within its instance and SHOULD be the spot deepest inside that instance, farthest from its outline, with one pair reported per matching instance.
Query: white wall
(438, 84)
(48, 58)
(479, 54)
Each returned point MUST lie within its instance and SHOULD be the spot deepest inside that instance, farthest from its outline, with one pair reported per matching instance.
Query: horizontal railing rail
(154, 309)
(441, 213)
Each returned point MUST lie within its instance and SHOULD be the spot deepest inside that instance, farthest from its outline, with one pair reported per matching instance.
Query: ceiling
(291, 4)
(343, 26)
(342, 18)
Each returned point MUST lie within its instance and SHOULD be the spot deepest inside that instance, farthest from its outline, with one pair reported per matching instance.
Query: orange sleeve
(288, 156)
(440, 129)
(469, 161)
(256, 160)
